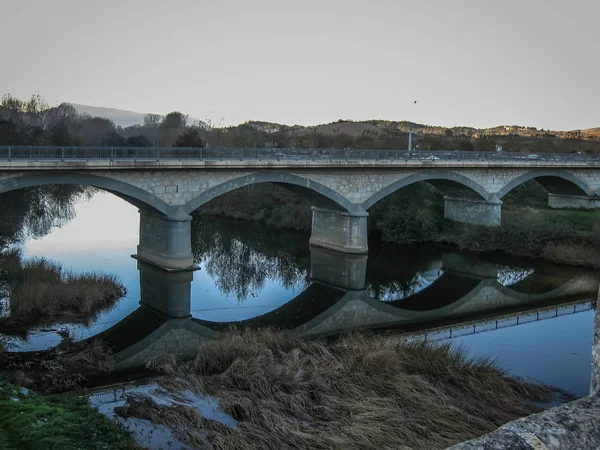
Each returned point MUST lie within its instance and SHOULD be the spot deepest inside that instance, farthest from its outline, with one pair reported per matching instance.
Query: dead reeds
(41, 293)
(356, 392)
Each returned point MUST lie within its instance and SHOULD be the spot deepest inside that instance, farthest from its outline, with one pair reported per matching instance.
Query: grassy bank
(529, 228)
(357, 392)
(41, 293)
(266, 203)
(31, 421)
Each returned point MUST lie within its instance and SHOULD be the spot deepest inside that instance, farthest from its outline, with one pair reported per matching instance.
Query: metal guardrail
(43, 153)
(451, 332)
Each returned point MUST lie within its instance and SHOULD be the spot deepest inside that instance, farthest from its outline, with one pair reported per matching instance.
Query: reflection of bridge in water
(467, 295)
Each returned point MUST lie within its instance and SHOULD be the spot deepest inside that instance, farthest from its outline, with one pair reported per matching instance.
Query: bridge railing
(43, 153)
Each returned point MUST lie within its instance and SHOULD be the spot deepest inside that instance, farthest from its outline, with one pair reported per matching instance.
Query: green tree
(190, 138)
(60, 134)
(171, 127)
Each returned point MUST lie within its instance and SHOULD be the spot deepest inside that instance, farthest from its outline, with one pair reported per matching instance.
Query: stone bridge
(341, 191)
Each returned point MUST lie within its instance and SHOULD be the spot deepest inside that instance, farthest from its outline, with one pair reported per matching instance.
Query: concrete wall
(478, 212)
(165, 241)
(573, 201)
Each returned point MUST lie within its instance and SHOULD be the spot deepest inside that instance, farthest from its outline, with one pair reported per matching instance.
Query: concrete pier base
(166, 292)
(343, 270)
(339, 230)
(477, 212)
(165, 241)
(560, 201)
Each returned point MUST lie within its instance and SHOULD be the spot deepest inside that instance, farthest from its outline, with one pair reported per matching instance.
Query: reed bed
(41, 293)
(358, 391)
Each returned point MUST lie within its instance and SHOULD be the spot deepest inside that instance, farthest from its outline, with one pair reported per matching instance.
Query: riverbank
(37, 292)
(415, 214)
(32, 421)
(358, 391)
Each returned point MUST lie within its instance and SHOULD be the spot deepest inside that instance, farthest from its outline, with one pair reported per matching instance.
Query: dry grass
(65, 367)
(572, 254)
(357, 392)
(41, 293)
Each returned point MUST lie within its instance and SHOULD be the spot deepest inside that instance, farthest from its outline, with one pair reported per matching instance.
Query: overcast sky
(465, 62)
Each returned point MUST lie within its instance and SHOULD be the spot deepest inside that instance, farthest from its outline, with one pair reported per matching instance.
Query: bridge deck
(94, 158)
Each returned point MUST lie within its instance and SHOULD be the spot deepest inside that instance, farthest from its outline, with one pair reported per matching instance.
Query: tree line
(34, 122)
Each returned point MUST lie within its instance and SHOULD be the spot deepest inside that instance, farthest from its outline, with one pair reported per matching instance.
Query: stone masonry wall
(177, 187)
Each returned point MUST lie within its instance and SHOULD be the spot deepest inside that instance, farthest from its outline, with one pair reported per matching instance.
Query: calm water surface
(248, 270)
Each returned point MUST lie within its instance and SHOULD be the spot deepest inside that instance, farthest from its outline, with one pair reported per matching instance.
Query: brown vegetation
(65, 367)
(40, 293)
(357, 392)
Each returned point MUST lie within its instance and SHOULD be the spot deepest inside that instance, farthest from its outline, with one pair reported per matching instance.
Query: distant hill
(592, 132)
(126, 118)
(120, 117)
(353, 129)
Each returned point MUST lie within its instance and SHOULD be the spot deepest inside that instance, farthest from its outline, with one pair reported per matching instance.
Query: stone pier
(165, 241)
(339, 230)
(560, 201)
(343, 270)
(474, 211)
(166, 292)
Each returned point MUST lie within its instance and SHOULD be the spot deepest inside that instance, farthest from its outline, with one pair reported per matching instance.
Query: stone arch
(316, 193)
(131, 194)
(555, 181)
(427, 175)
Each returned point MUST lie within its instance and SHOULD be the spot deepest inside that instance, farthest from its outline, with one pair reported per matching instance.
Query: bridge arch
(427, 175)
(131, 194)
(555, 181)
(316, 193)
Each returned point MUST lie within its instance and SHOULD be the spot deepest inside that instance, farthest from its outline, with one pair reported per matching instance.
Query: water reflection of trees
(242, 256)
(397, 290)
(507, 276)
(397, 272)
(34, 212)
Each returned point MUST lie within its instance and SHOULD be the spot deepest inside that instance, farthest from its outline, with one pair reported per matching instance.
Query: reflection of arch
(444, 291)
(310, 303)
(555, 181)
(132, 194)
(316, 193)
(427, 175)
(146, 333)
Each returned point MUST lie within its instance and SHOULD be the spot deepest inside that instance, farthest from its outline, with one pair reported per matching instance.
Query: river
(534, 319)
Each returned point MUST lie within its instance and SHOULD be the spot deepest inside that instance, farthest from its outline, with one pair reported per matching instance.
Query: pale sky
(465, 62)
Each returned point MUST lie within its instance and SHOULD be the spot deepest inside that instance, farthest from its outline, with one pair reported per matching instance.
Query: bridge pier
(339, 230)
(474, 211)
(165, 242)
(166, 292)
(561, 201)
(343, 270)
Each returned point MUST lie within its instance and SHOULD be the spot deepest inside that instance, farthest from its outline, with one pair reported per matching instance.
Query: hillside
(125, 118)
(120, 117)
